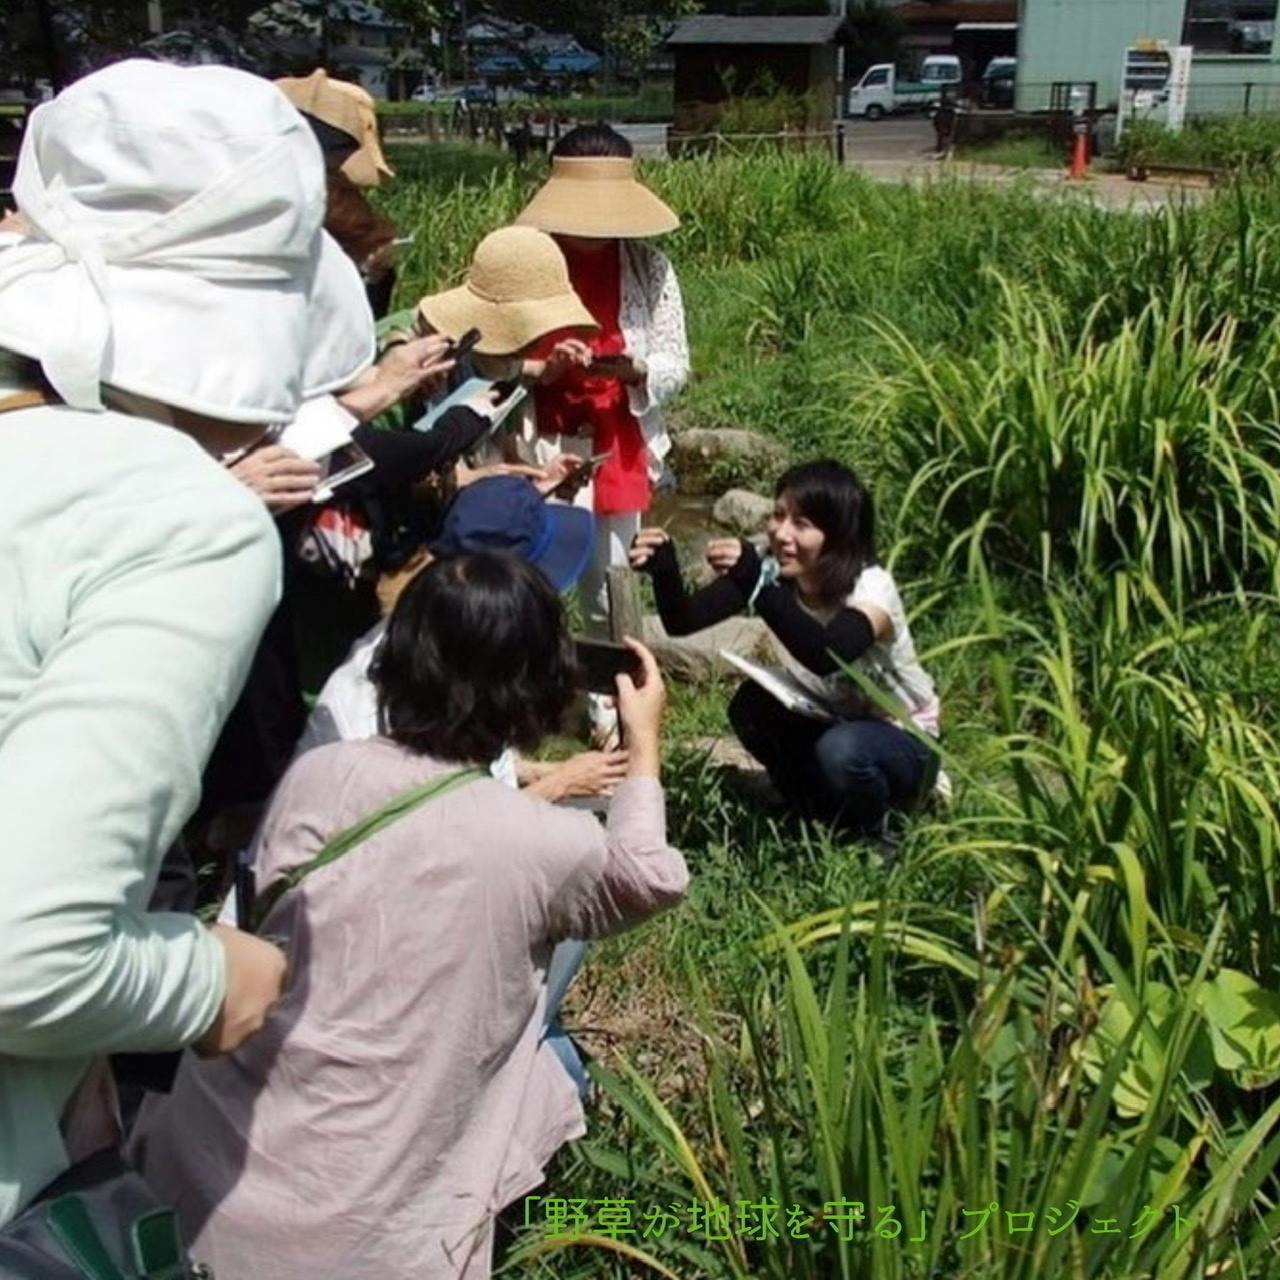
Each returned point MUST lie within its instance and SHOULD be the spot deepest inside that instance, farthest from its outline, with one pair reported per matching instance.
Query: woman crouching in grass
(824, 595)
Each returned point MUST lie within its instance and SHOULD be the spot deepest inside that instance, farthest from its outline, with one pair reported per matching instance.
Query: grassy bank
(1242, 143)
(1015, 153)
(1044, 1042)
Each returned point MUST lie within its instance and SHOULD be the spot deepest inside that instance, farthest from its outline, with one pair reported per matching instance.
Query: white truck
(880, 91)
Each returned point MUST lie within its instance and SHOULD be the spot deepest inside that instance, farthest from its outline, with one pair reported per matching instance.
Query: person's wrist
(644, 753)
(663, 559)
(368, 400)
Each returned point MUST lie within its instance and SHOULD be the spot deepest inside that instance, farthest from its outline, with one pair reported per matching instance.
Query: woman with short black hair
(841, 755)
(402, 1092)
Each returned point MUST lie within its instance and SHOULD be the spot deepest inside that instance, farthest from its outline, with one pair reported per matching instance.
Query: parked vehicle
(471, 94)
(999, 82)
(880, 91)
(941, 69)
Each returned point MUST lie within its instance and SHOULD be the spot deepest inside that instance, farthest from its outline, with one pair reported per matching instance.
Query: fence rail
(1246, 99)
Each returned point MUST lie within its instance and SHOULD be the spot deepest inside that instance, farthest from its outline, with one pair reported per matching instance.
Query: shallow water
(687, 519)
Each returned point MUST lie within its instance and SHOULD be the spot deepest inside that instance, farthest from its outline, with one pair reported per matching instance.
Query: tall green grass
(1152, 449)
(1069, 987)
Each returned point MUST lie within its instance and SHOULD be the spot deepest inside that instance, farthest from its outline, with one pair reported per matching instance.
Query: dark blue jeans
(850, 773)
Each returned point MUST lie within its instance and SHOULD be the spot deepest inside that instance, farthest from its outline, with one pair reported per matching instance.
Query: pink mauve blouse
(399, 1095)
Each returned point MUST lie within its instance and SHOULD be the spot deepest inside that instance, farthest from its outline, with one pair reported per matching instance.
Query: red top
(580, 404)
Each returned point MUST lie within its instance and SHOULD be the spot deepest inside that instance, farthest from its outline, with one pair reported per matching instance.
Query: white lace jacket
(652, 321)
(651, 316)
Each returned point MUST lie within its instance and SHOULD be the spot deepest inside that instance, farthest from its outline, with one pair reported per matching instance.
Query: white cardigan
(652, 321)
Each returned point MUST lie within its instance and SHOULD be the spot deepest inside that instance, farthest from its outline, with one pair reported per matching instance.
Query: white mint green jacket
(135, 578)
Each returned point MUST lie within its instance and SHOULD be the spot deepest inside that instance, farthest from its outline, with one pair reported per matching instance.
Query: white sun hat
(175, 248)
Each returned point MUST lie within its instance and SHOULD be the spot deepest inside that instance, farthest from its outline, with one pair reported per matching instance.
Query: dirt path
(1108, 190)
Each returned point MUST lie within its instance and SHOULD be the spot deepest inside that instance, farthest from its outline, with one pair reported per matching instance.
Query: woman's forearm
(682, 613)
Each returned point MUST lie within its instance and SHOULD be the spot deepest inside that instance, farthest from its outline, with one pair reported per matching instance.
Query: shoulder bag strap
(347, 840)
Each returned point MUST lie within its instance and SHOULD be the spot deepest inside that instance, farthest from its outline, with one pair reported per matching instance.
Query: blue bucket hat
(507, 513)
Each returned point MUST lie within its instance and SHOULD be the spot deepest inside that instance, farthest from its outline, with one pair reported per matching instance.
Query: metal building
(1235, 68)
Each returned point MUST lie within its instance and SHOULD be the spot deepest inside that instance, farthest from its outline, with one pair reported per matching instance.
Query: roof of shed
(720, 29)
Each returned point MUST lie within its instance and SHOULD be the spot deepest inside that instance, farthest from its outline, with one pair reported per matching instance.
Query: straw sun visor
(597, 199)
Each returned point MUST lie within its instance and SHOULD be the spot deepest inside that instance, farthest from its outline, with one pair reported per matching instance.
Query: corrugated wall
(1086, 39)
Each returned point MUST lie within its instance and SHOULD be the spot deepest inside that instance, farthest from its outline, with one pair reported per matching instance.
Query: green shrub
(1228, 142)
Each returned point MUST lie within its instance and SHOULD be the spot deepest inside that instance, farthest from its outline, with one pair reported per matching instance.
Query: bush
(1230, 142)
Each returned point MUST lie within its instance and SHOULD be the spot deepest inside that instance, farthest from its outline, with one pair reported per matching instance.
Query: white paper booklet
(779, 682)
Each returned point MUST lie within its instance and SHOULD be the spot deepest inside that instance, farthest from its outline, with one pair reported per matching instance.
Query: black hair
(830, 495)
(477, 658)
(594, 142)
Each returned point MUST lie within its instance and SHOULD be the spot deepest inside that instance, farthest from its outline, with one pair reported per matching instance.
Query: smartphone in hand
(602, 661)
(610, 366)
(462, 348)
(580, 475)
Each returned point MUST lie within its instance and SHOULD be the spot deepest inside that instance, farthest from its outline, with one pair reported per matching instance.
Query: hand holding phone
(642, 699)
(462, 348)
(345, 463)
(603, 661)
(579, 476)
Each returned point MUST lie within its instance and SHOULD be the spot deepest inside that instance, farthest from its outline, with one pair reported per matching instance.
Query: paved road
(899, 140)
(896, 139)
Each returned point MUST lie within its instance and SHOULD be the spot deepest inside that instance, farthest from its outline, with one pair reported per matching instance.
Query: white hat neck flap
(145, 233)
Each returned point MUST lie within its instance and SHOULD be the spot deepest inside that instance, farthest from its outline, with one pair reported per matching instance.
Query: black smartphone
(244, 890)
(576, 479)
(609, 365)
(462, 348)
(600, 661)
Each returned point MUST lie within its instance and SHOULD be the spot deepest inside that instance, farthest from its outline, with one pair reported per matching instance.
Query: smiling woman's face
(795, 541)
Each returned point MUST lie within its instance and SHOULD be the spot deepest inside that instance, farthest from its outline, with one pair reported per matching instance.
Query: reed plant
(1067, 991)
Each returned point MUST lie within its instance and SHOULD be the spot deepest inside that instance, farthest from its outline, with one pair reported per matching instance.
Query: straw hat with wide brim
(597, 198)
(350, 109)
(517, 291)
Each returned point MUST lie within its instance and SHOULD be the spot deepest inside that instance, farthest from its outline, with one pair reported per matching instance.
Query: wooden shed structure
(716, 55)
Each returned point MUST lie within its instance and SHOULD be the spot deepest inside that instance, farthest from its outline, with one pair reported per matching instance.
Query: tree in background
(625, 31)
(875, 35)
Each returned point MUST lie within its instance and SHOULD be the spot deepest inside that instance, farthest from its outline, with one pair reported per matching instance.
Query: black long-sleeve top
(819, 647)
(402, 458)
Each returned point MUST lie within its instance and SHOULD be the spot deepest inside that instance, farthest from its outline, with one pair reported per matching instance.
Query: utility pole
(52, 50)
(840, 7)
(466, 47)
(155, 17)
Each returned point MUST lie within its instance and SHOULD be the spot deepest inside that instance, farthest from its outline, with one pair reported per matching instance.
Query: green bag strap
(73, 1228)
(155, 1236)
(347, 840)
